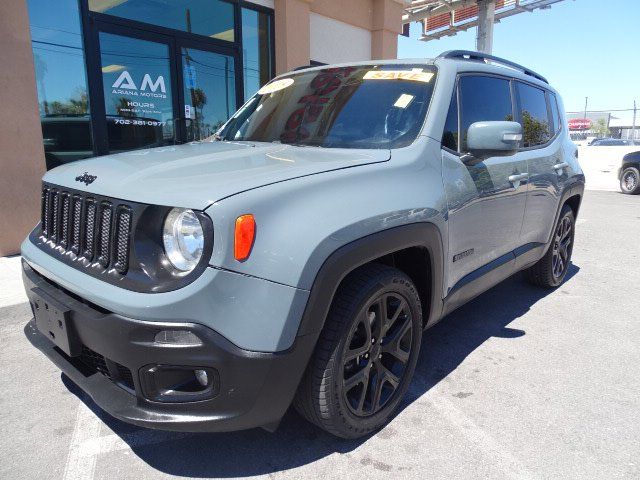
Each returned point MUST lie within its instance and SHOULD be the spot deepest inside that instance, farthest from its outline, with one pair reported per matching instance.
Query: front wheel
(630, 181)
(366, 353)
(551, 269)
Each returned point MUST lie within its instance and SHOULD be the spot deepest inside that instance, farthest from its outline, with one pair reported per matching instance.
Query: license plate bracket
(53, 319)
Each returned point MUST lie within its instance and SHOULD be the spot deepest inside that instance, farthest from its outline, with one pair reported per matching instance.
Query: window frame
(456, 91)
(552, 97)
(93, 22)
(455, 94)
(272, 36)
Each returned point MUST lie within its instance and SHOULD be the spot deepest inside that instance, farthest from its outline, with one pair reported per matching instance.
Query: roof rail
(483, 57)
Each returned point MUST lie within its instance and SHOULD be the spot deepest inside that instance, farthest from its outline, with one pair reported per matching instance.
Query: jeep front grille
(97, 231)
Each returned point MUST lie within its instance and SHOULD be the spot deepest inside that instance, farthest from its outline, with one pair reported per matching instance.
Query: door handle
(517, 177)
(560, 166)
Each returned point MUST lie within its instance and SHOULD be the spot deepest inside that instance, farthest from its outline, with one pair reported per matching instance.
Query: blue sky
(584, 47)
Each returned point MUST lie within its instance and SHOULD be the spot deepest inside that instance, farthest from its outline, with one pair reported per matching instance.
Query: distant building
(580, 126)
(623, 128)
(619, 127)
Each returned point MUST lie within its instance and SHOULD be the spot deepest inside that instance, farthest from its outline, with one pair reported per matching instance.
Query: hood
(195, 175)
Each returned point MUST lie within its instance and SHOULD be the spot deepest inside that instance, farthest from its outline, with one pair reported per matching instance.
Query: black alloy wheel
(366, 353)
(551, 270)
(379, 346)
(562, 245)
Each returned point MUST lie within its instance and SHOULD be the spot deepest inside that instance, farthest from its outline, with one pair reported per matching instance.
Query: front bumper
(252, 388)
(253, 313)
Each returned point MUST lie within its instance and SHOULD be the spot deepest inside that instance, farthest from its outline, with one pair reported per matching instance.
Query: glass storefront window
(213, 18)
(157, 87)
(256, 46)
(209, 91)
(58, 55)
(138, 101)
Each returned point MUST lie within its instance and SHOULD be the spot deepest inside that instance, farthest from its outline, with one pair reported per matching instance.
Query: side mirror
(490, 139)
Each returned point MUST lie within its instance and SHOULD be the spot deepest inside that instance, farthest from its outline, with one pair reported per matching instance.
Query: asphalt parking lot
(521, 383)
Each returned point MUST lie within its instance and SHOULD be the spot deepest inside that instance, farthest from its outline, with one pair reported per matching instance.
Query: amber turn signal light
(244, 237)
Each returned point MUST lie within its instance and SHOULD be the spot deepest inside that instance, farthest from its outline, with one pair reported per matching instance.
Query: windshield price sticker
(404, 100)
(424, 77)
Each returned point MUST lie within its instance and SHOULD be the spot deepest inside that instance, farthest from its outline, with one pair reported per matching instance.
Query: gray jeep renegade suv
(297, 256)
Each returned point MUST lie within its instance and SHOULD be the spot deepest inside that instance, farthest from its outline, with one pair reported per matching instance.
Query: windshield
(370, 106)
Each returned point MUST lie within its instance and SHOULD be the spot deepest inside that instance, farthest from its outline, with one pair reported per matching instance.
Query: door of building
(155, 89)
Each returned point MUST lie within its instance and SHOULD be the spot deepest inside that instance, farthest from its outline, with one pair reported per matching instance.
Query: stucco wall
(297, 31)
(21, 151)
(333, 41)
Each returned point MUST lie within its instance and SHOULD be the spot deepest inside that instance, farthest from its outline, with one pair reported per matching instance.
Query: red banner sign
(579, 124)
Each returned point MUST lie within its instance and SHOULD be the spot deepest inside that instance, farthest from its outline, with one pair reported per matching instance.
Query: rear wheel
(551, 269)
(366, 353)
(630, 181)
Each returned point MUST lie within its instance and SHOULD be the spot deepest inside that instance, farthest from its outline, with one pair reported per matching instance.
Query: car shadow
(296, 442)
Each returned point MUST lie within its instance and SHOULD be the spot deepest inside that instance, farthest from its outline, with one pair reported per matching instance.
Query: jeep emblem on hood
(86, 178)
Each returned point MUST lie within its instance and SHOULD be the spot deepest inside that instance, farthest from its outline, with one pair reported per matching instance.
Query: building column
(292, 34)
(387, 25)
(21, 152)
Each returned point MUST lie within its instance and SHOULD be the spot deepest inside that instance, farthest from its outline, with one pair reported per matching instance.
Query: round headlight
(183, 239)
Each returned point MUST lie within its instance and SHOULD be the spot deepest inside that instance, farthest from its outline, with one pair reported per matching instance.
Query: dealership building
(91, 77)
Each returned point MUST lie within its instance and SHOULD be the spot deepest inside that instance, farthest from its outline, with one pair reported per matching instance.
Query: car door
(486, 201)
(543, 150)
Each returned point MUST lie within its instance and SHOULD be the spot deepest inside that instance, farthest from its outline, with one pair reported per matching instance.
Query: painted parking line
(87, 443)
(12, 292)
(489, 446)
(81, 461)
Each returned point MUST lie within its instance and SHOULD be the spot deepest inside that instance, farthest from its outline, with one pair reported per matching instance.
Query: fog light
(179, 383)
(177, 337)
(202, 377)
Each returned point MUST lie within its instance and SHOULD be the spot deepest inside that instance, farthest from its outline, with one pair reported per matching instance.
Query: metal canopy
(442, 18)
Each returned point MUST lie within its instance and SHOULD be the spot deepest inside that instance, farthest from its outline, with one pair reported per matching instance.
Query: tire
(332, 392)
(550, 270)
(630, 181)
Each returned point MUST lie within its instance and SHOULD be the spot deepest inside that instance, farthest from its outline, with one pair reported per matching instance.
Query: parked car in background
(629, 173)
(610, 142)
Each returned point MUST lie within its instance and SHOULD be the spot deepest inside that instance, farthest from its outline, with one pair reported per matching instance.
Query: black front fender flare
(359, 252)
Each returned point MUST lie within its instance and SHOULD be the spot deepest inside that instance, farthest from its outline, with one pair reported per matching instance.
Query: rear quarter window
(534, 117)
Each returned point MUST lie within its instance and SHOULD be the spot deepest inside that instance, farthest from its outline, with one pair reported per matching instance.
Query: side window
(555, 114)
(483, 99)
(450, 133)
(533, 115)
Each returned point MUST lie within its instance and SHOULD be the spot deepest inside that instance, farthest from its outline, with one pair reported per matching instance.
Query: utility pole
(586, 100)
(633, 125)
(486, 14)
